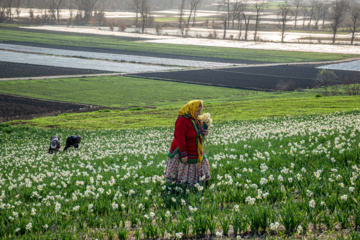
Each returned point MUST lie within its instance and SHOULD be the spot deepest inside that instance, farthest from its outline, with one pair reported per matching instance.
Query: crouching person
(72, 141)
(54, 144)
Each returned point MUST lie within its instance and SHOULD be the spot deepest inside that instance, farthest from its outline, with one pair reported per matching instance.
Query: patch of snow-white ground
(112, 56)
(70, 62)
(169, 37)
(348, 66)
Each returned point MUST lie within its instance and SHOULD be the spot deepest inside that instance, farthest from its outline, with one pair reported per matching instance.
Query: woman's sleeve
(180, 132)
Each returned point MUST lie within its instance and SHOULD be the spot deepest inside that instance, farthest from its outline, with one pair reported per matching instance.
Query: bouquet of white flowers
(206, 121)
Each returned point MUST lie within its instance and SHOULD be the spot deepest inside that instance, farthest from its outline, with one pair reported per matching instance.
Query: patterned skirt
(176, 171)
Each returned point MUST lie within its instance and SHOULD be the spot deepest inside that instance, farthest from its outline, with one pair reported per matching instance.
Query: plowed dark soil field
(18, 108)
(14, 70)
(262, 78)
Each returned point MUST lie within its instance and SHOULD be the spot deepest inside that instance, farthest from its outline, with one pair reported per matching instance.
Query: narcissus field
(288, 177)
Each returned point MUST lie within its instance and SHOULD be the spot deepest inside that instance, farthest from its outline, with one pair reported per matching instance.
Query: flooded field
(294, 41)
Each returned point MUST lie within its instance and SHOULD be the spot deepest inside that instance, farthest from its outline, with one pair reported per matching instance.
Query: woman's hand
(184, 160)
(205, 132)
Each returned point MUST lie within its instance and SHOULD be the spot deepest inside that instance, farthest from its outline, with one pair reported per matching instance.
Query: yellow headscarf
(189, 111)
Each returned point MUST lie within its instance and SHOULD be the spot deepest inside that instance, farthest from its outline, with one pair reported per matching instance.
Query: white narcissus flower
(115, 205)
(274, 226)
(263, 181)
(178, 235)
(299, 229)
(28, 226)
(312, 203)
(57, 206)
(167, 214)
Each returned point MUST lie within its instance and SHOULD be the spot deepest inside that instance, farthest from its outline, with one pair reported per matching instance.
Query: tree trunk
(188, 21)
(334, 36)
(225, 22)
(256, 26)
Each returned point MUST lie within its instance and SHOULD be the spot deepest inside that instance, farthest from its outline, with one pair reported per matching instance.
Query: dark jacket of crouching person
(72, 141)
(54, 144)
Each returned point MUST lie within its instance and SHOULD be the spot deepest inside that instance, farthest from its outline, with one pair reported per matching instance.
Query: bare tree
(225, 21)
(144, 13)
(354, 19)
(234, 6)
(70, 7)
(297, 5)
(181, 17)
(18, 9)
(317, 12)
(337, 16)
(193, 7)
(311, 12)
(55, 5)
(242, 7)
(224, 5)
(2, 11)
(284, 17)
(136, 8)
(247, 22)
(304, 13)
(259, 8)
(87, 6)
(324, 12)
(9, 5)
(52, 11)
(196, 5)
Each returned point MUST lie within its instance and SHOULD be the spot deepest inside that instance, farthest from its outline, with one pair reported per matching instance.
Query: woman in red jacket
(187, 162)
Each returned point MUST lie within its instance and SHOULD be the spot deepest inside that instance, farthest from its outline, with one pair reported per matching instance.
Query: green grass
(9, 25)
(125, 92)
(245, 110)
(111, 42)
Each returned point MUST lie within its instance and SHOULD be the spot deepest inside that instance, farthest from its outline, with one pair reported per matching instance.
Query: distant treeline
(122, 5)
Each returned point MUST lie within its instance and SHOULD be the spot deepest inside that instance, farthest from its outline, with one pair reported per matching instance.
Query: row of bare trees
(340, 13)
(52, 6)
(85, 8)
(235, 14)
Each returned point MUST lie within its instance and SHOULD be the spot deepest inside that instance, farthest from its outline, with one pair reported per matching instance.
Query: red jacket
(184, 139)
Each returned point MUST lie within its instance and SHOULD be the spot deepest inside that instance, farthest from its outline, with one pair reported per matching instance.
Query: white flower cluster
(205, 119)
(274, 226)
(250, 200)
